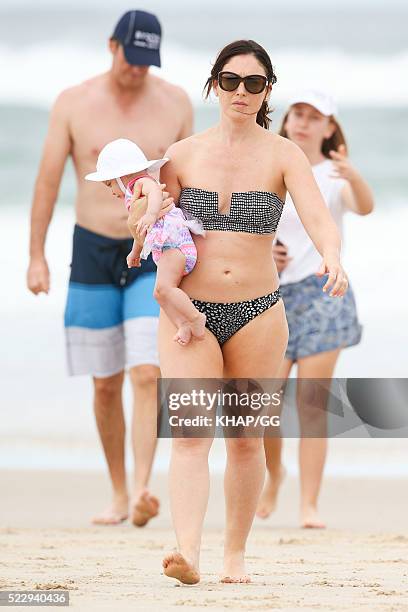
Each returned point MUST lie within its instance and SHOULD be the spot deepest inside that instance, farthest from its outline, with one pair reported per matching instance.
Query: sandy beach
(359, 563)
(53, 476)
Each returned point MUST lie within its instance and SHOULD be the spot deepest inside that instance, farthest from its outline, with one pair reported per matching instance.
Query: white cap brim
(153, 166)
(326, 109)
(156, 164)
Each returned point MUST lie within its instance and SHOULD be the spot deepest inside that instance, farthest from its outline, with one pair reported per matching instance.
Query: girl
(318, 327)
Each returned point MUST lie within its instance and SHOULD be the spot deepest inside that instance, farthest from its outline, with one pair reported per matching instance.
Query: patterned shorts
(318, 322)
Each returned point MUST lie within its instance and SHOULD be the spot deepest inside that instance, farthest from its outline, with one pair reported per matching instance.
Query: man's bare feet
(234, 570)
(183, 335)
(177, 566)
(116, 513)
(197, 326)
(143, 508)
(269, 496)
(310, 518)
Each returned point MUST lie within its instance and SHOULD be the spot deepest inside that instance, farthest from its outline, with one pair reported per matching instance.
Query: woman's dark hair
(328, 144)
(244, 47)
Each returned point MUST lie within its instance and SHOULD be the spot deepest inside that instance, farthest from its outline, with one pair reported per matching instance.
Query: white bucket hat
(323, 101)
(121, 157)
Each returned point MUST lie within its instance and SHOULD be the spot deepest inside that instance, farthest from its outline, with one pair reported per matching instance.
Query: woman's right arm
(169, 174)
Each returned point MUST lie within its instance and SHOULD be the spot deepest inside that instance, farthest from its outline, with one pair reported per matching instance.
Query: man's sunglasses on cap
(253, 83)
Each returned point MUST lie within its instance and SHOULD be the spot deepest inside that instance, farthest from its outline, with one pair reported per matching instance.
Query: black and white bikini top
(255, 212)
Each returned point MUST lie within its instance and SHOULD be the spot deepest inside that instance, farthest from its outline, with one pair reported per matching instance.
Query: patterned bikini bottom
(225, 319)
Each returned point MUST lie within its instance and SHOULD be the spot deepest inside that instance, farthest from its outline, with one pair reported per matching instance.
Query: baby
(123, 167)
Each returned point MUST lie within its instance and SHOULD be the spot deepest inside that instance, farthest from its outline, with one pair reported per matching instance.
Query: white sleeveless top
(306, 259)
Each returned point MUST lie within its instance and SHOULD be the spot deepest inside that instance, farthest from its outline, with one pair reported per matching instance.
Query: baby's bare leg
(173, 300)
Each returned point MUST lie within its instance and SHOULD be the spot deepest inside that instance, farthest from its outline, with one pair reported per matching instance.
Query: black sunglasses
(253, 83)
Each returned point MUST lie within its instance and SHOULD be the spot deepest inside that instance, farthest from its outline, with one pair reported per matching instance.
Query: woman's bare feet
(114, 514)
(234, 569)
(269, 496)
(245, 579)
(177, 566)
(183, 335)
(143, 508)
(310, 518)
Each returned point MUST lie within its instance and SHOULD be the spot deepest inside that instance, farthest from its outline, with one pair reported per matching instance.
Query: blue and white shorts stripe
(111, 317)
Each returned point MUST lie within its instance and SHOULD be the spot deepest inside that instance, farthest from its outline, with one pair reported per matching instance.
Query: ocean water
(334, 46)
(46, 419)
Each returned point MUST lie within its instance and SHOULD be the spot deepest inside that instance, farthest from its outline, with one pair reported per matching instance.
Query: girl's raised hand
(342, 165)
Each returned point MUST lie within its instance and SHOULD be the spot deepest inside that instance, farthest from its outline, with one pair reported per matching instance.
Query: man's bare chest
(152, 132)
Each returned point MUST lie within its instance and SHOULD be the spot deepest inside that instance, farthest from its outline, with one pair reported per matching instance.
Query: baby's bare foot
(183, 335)
(116, 513)
(197, 326)
(177, 566)
(144, 507)
(133, 260)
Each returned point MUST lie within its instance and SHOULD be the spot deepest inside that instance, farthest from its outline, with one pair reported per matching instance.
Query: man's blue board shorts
(111, 317)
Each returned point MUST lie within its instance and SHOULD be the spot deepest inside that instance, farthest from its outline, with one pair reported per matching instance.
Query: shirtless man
(111, 317)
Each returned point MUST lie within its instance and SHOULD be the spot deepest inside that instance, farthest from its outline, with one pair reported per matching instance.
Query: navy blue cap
(140, 34)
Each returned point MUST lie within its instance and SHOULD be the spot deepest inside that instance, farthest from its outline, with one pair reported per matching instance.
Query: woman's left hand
(337, 277)
(342, 165)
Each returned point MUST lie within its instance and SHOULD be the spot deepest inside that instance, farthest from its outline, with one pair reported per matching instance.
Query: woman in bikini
(234, 178)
